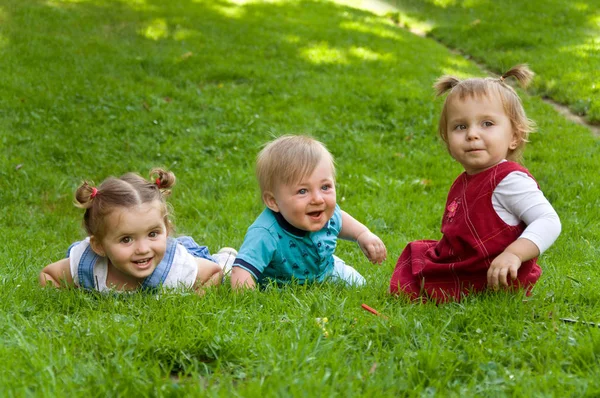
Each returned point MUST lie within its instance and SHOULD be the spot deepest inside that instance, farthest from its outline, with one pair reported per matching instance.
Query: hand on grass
(372, 247)
(504, 265)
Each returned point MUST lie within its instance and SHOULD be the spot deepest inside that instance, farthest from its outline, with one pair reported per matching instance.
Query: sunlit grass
(368, 55)
(323, 54)
(378, 30)
(57, 3)
(230, 11)
(448, 3)
(156, 29)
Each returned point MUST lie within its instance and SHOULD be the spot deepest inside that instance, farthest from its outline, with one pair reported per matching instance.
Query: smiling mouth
(315, 214)
(143, 263)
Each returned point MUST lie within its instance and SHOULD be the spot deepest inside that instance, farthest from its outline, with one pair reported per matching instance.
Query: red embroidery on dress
(451, 209)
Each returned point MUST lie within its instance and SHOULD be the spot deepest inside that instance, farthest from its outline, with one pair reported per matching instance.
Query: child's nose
(317, 197)
(472, 134)
(142, 246)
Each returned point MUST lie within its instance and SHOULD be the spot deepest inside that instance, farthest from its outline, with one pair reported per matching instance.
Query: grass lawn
(559, 39)
(93, 88)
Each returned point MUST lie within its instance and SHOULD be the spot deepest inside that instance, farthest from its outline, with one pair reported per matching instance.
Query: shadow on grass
(117, 86)
(558, 38)
(558, 26)
(107, 50)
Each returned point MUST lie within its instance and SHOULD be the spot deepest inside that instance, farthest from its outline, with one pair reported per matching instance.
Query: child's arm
(209, 274)
(55, 273)
(516, 199)
(240, 278)
(510, 260)
(368, 242)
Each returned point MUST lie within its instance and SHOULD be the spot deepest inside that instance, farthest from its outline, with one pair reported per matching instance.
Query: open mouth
(315, 214)
(143, 263)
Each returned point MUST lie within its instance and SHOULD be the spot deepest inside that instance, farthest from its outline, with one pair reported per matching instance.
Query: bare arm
(242, 279)
(510, 260)
(370, 244)
(209, 274)
(57, 274)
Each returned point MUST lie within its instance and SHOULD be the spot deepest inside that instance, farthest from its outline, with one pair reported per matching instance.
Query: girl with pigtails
(496, 220)
(128, 245)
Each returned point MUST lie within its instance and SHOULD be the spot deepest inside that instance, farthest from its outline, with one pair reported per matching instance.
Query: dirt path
(381, 8)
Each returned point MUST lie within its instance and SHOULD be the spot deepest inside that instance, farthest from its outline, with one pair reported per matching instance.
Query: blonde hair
(129, 190)
(288, 159)
(485, 87)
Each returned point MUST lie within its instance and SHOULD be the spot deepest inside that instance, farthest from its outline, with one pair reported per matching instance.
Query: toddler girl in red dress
(496, 220)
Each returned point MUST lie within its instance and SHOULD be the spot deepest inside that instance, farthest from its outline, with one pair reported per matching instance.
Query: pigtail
(84, 195)
(163, 179)
(444, 84)
(521, 73)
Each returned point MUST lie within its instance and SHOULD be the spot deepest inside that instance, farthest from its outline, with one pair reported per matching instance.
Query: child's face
(135, 241)
(308, 204)
(480, 133)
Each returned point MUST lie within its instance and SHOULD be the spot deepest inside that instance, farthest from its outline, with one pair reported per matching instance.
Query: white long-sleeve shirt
(517, 198)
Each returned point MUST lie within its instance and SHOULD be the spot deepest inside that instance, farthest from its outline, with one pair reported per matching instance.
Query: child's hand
(57, 274)
(502, 265)
(372, 247)
(241, 279)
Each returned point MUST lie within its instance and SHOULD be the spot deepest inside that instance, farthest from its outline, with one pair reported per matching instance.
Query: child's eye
(326, 187)
(126, 240)
(153, 234)
(488, 124)
(302, 191)
(460, 127)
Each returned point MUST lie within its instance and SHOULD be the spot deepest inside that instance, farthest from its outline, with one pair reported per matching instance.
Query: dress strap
(85, 268)
(159, 275)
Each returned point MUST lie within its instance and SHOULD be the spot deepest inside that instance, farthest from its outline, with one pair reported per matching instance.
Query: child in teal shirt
(295, 237)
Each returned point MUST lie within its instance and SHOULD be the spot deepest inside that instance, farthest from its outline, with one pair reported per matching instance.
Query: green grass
(559, 39)
(97, 88)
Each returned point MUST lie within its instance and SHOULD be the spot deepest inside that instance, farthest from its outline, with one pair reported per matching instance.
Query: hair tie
(94, 193)
(502, 78)
(157, 181)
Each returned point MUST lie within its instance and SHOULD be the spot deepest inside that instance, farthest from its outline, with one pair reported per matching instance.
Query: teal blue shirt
(275, 250)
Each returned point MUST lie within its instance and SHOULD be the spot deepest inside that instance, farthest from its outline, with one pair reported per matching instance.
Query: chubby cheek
(331, 201)
(331, 197)
(330, 207)
(452, 149)
(161, 249)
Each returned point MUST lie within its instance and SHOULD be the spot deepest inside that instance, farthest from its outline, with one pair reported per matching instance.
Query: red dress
(473, 236)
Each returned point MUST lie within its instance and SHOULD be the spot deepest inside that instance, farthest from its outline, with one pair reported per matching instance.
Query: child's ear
(97, 246)
(270, 201)
(514, 143)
